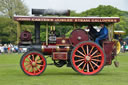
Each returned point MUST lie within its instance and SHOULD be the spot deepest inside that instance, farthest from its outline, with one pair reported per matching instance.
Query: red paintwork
(60, 56)
(59, 46)
(54, 48)
(66, 19)
(41, 68)
(59, 49)
(96, 70)
(49, 49)
(76, 34)
(59, 41)
(108, 47)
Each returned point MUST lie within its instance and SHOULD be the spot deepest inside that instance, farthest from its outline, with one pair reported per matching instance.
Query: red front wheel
(87, 58)
(33, 63)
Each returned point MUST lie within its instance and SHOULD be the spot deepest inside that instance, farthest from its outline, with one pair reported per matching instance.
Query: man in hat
(103, 34)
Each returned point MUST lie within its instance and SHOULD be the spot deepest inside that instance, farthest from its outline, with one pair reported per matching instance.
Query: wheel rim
(88, 58)
(33, 64)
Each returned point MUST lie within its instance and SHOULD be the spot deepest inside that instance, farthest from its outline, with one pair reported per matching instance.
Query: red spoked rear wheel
(33, 63)
(87, 58)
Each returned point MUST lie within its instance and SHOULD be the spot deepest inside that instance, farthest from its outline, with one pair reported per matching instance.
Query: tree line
(9, 8)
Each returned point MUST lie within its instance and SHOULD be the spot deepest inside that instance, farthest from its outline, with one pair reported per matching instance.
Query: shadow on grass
(108, 74)
(60, 73)
(75, 73)
(66, 73)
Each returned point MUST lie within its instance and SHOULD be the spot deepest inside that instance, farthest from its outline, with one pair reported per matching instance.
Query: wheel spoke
(87, 49)
(80, 64)
(33, 57)
(96, 56)
(94, 63)
(79, 56)
(91, 49)
(38, 69)
(38, 61)
(91, 66)
(94, 52)
(84, 66)
(80, 52)
(87, 67)
(34, 70)
(29, 59)
(36, 58)
(30, 68)
(27, 62)
(79, 60)
(96, 60)
(83, 49)
(40, 65)
(27, 65)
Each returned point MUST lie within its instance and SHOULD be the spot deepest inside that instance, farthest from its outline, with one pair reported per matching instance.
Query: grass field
(11, 74)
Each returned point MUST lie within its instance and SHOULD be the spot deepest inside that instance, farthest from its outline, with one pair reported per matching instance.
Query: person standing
(124, 46)
(5, 48)
(0, 48)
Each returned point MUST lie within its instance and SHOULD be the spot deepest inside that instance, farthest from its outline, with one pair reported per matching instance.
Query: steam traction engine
(78, 51)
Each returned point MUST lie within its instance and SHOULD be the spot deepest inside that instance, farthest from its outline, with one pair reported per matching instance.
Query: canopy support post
(111, 32)
(18, 32)
(74, 26)
(47, 34)
(37, 32)
(112, 28)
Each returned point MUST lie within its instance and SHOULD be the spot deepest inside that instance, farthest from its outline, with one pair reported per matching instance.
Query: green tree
(8, 27)
(107, 11)
(10, 8)
(7, 30)
(102, 11)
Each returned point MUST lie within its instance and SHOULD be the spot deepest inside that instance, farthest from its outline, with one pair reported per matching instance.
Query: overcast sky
(76, 5)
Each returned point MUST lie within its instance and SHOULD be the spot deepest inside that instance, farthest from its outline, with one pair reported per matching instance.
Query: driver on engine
(103, 34)
(92, 32)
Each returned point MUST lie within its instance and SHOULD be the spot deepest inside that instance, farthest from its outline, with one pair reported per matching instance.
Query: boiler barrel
(48, 50)
(50, 12)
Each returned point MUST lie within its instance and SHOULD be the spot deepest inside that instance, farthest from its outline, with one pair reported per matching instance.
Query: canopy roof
(118, 32)
(64, 20)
